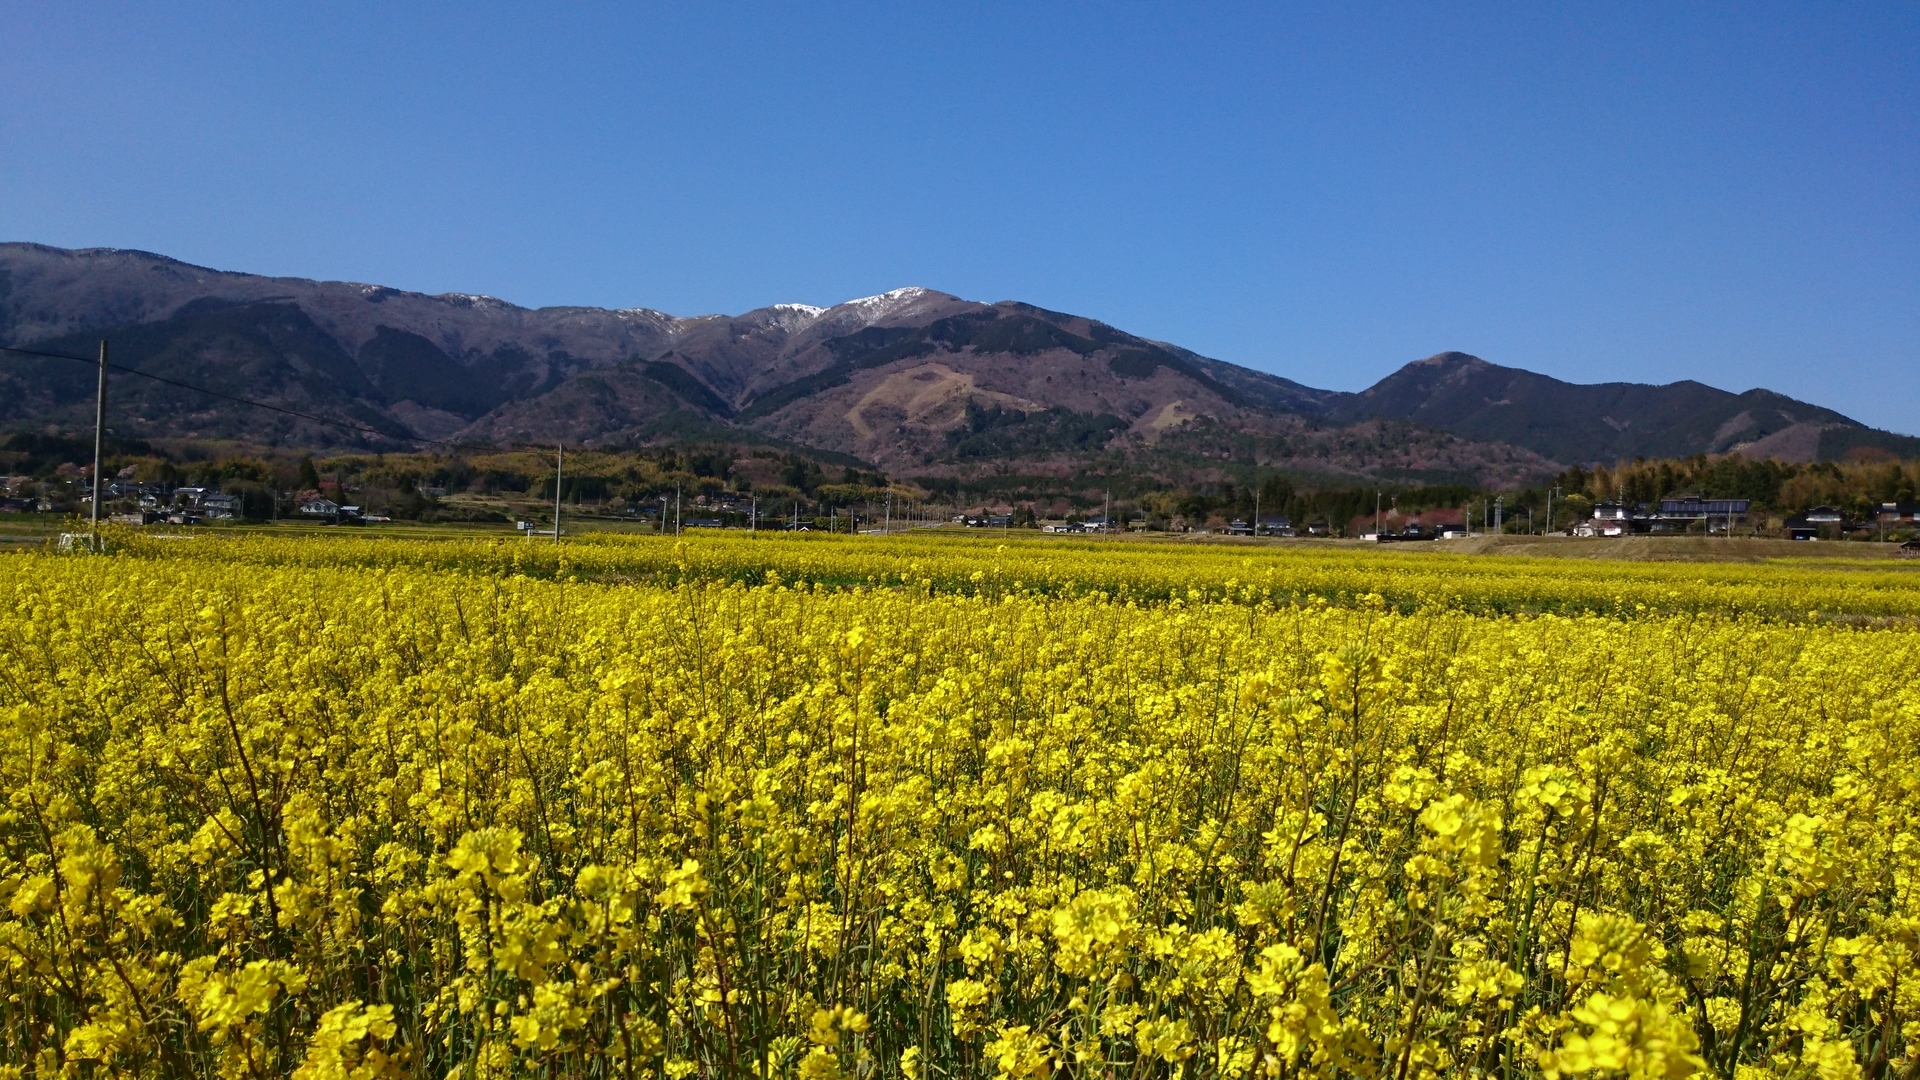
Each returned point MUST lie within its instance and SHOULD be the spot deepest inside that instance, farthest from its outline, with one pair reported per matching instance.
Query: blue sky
(1729, 193)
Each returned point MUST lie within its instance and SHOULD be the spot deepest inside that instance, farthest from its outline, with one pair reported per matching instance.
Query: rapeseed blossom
(348, 808)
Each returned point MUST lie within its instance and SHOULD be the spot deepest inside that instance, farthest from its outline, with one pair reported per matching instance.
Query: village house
(1683, 511)
(221, 506)
(1811, 524)
(1609, 519)
(328, 512)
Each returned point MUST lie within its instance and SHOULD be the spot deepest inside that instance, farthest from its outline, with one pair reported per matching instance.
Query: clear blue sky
(1651, 192)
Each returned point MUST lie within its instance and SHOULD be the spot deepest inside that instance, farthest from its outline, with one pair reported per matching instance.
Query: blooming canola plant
(826, 807)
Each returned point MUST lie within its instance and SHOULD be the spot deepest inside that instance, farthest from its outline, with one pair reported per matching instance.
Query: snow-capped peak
(891, 299)
(791, 318)
(869, 310)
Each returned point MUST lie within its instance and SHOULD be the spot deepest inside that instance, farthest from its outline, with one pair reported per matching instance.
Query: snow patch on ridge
(793, 318)
(893, 298)
(478, 300)
(871, 309)
(788, 318)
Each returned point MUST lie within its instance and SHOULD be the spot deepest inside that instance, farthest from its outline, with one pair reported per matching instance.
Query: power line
(343, 424)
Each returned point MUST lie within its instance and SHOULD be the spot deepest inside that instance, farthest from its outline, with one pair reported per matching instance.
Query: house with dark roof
(1718, 515)
(220, 505)
(1815, 521)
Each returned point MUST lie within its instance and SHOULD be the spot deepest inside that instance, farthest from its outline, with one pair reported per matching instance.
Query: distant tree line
(1858, 487)
(422, 486)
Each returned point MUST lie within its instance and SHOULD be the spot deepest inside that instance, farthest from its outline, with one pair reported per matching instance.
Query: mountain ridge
(1581, 422)
(901, 378)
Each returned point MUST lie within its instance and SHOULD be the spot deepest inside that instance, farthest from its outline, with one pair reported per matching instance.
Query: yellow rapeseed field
(342, 807)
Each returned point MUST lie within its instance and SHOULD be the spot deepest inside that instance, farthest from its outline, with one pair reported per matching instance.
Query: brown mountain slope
(892, 378)
(911, 379)
(898, 402)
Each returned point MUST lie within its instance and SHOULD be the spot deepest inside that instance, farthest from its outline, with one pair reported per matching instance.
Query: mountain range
(911, 381)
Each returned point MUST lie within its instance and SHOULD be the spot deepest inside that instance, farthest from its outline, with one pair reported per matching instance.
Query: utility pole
(559, 466)
(1256, 511)
(676, 509)
(1499, 511)
(1376, 512)
(753, 516)
(99, 434)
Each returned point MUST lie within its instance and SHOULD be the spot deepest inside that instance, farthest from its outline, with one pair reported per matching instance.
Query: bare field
(1678, 548)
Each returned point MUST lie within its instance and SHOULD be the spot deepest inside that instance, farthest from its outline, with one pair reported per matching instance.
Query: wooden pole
(99, 435)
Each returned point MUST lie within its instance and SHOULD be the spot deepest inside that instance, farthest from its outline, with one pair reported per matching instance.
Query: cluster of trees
(1277, 496)
(1856, 487)
(995, 432)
